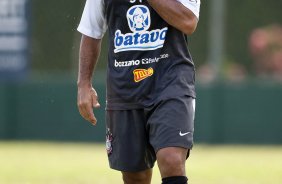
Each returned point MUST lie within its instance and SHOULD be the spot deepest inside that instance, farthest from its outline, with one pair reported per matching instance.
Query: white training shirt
(93, 22)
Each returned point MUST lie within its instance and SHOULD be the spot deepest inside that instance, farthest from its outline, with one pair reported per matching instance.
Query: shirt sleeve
(93, 21)
(193, 5)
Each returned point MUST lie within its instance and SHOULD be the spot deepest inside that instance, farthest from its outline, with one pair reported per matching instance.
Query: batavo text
(144, 61)
(147, 40)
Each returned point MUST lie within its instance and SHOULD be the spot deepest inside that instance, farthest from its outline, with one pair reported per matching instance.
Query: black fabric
(141, 72)
(175, 180)
(129, 148)
(172, 123)
(134, 136)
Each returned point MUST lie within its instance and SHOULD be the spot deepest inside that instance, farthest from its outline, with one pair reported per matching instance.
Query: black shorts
(134, 136)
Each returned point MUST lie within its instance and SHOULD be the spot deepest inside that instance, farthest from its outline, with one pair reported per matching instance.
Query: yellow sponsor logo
(141, 74)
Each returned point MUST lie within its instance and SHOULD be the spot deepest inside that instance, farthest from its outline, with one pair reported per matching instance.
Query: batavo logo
(141, 39)
(141, 74)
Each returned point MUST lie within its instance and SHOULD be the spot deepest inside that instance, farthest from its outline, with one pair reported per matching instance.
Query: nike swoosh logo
(183, 134)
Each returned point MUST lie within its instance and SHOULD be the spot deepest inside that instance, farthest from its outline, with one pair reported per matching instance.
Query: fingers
(87, 99)
(95, 102)
(86, 111)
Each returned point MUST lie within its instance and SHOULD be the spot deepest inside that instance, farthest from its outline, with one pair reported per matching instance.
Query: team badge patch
(141, 74)
(109, 139)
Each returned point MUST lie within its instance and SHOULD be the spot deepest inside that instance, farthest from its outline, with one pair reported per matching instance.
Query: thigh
(172, 123)
(127, 141)
(141, 177)
(171, 161)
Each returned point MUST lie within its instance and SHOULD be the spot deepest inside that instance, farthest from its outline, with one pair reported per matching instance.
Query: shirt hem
(129, 106)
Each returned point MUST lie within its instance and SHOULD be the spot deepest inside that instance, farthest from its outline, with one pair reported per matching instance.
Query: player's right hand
(87, 99)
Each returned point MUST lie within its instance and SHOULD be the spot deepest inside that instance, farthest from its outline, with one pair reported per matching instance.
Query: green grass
(65, 163)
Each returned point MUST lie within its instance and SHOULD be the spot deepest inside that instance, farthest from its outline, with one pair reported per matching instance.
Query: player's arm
(86, 96)
(176, 14)
(92, 26)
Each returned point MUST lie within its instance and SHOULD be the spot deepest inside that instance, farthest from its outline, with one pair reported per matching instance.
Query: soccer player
(150, 83)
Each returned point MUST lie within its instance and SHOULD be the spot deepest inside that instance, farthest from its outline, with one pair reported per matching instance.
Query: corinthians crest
(109, 139)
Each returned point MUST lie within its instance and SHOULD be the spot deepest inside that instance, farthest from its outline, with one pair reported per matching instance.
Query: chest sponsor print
(139, 22)
(141, 74)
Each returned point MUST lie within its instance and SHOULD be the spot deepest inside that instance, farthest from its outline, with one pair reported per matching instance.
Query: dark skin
(171, 160)
(175, 14)
(87, 97)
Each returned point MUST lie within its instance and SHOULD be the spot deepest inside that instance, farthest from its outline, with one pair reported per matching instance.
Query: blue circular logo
(138, 18)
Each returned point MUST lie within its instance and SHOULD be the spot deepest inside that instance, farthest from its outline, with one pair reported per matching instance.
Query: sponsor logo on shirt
(141, 74)
(144, 61)
(139, 21)
(138, 18)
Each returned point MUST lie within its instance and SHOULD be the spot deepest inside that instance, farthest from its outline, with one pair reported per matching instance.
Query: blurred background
(237, 50)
